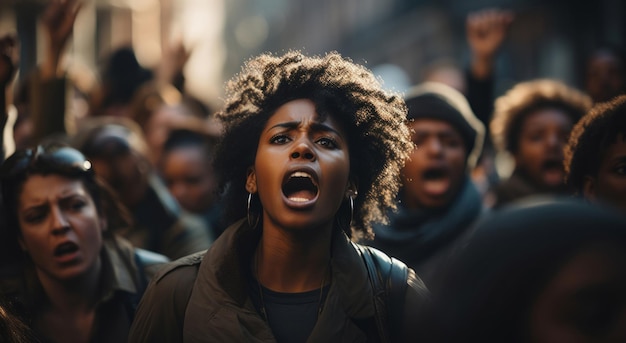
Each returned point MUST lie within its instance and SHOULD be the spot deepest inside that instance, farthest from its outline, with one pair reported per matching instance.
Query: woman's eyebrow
(295, 124)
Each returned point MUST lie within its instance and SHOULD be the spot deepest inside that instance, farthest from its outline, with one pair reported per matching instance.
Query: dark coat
(203, 298)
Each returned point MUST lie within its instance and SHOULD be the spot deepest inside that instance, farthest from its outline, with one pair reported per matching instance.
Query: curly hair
(592, 136)
(512, 108)
(374, 120)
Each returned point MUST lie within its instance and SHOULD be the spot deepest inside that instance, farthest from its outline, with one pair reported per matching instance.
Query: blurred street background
(401, 40)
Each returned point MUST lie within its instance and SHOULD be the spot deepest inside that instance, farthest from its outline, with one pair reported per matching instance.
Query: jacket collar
(222, 286)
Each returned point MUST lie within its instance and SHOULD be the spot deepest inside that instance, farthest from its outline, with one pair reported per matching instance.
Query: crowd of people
(314, 205)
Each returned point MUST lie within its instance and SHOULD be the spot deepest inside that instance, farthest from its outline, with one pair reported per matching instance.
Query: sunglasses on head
(43, 159)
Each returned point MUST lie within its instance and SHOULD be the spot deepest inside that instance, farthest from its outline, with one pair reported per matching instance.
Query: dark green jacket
(203, 298)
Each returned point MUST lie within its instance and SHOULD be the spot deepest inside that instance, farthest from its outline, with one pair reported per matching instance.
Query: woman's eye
(77, 205)
(35, 217)
(621, 169)
(327, 142)
(279, 139)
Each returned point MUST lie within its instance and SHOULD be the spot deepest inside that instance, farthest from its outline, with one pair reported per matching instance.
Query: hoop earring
(351, 211)
(249, 216)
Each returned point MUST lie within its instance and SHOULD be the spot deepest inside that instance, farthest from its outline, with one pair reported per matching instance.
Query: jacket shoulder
(175, 267)
(161, 312)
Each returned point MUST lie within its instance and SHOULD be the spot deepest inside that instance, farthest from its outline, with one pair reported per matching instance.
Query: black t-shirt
(291, 316)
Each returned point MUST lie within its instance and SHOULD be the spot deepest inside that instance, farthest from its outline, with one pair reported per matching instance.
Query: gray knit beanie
(438, 101)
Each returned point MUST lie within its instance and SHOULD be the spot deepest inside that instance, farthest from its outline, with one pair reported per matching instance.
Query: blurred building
(400, 38)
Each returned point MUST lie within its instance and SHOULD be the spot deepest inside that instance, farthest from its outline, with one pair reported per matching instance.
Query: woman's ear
(589, 188)
(251, 181)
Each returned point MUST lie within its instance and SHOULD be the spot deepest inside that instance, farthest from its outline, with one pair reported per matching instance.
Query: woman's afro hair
(592, 136)
(374, 121)
(526, 97)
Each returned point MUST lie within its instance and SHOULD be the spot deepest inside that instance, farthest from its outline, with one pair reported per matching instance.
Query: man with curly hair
(311, 156)
(532, 122)
(595, 156)
(438, 202)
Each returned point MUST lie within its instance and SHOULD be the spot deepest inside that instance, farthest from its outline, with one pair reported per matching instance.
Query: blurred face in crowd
(435, 170)
(61, 229)
(605, 76)
(159, 126)
(302, 168)
(585, 301)
(543, 135)
(126, 174)
(609, 185)
(189, 177)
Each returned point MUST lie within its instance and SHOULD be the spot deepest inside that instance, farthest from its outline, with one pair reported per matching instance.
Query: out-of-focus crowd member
(595, 157)
(186, 166)
(77, 280)
(44, 96)
(159, 110)
(605, 74)
(551, 271)
(532, 122)
(303, 134)
(486, 31)
(437, 202)
(122, 77)
(8, 69)
(119, 153)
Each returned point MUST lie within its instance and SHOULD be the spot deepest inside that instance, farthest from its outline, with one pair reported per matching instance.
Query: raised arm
(486, 30)
(50, 85)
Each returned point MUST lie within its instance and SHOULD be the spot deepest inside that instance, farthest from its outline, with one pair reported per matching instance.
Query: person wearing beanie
(438, 202)
(532, 122)
(595, 156)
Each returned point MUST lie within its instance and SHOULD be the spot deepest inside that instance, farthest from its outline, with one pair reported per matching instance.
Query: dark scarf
(414, 235)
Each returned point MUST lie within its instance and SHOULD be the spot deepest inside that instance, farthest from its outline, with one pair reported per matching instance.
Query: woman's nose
(303, 150)
(60, 224)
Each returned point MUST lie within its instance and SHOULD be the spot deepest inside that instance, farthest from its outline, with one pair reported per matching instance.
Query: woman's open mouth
(300, 188)
(553, 173)
(66, 252)
(436, 181)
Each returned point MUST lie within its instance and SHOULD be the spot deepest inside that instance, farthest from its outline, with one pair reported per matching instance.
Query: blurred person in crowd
(159, 110)
(542, 271)
(486, 31)
(118, 151)
(605, 76)
(532, 122)
(8, 69)
(42, 104)
(437, 202)
(122, 77)
(51, 100)
(187, 168)
(595, 156)
(76, 279)
(311, 155)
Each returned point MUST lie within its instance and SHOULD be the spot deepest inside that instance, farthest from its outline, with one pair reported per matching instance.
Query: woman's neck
(73, 296)
(292, 262)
